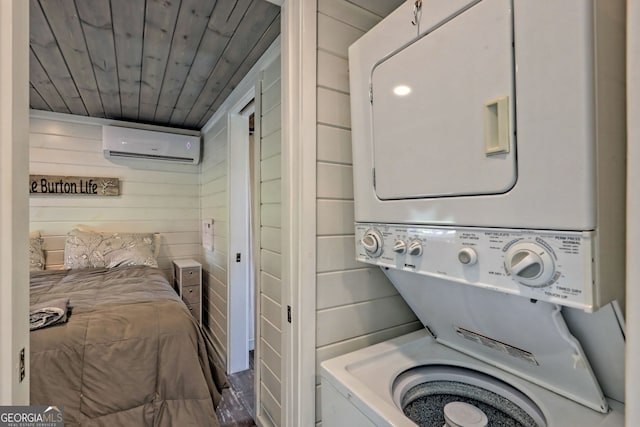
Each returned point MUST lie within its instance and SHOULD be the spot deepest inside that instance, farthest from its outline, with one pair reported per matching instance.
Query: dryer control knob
(415, 248)
(467, 256)
(530, 264)
(372, 242)
(400, 247)
(526, 264)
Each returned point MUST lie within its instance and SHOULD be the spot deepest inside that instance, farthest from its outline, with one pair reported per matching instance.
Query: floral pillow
(36, 252)
(84, 249)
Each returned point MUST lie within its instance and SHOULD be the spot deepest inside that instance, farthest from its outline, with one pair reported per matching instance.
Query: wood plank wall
(154, 197)
(215, 205)
(356, 304)
(270, 285)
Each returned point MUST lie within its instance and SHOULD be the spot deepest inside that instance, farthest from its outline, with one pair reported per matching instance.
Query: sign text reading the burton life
(86, 187)
(72, 185)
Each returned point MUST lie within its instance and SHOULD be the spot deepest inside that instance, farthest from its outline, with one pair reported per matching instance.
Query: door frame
(299, 46)
(632, 390)
(239, 236)
(14, 201)
(299, 94)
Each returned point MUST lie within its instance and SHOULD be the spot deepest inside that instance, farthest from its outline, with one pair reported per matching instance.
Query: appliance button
(467, 256)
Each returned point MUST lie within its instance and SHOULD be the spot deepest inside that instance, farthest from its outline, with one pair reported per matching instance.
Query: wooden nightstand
(187, 274)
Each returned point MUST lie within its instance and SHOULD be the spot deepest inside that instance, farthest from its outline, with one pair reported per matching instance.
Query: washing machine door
(442, 109)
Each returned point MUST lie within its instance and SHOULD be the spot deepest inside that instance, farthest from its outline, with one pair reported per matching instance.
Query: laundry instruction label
(497, 345)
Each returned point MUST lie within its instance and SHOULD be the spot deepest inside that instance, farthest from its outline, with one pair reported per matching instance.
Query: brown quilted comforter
(129, 355)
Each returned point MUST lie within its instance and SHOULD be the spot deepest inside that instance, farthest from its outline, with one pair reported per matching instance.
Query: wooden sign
(51, 185)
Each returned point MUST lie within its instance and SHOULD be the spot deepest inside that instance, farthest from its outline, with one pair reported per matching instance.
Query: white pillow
(36, 251)
(85, 249)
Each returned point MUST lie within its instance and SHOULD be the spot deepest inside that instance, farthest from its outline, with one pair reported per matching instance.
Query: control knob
(372, 242)
(415, 248)
(400, 247)
(467, 256)
(530, 264)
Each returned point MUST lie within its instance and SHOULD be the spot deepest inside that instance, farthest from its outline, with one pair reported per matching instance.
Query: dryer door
(443, 109)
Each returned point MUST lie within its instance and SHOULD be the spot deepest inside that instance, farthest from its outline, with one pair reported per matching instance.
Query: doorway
(241, 305)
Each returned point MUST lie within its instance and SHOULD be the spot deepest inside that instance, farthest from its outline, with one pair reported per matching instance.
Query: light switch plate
(207, 234)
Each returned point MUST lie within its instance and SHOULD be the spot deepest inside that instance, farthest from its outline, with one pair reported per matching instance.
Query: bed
(129, 352)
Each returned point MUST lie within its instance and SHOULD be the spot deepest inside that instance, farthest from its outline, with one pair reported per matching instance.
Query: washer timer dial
(530, 264)
(372, 242)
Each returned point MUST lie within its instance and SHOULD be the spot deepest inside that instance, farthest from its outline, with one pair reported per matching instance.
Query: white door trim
(14, 200)
(239, 243)
(632, 383)
(299, 47)
(261, 418)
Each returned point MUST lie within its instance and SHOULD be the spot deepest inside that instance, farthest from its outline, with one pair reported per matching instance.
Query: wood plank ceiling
(165, 62)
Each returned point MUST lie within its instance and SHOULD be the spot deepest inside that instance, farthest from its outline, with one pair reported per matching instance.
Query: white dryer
(489, 152)
(497, 114)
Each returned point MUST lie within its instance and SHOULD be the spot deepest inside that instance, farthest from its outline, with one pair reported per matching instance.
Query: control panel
(546, 266)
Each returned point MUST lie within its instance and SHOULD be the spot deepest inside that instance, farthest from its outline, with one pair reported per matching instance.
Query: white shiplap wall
(356, 304)
(215, 205)
(154, 197)
(270, 262)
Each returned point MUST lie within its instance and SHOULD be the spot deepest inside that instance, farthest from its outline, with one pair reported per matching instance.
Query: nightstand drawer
(190, 276)
(188, 284)
(191, 294)
(194, 309)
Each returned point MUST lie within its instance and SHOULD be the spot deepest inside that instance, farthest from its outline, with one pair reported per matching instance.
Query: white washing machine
(489, 170)
(516, 362)
(370, 387)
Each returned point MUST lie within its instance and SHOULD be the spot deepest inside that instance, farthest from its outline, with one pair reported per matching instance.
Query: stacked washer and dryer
(489, 170)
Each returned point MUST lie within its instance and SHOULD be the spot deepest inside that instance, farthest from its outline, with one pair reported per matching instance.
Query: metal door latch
(417, 9)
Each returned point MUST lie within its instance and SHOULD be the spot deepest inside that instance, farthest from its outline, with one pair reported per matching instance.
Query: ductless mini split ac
(120, 142)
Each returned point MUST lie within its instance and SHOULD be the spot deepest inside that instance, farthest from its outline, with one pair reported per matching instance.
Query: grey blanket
(48, 313)
(130, 353)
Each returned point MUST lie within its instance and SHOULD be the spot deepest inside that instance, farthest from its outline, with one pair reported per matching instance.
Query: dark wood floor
(237, 407)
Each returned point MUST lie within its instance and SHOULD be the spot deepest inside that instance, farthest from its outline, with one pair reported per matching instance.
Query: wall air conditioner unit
(119, 142)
